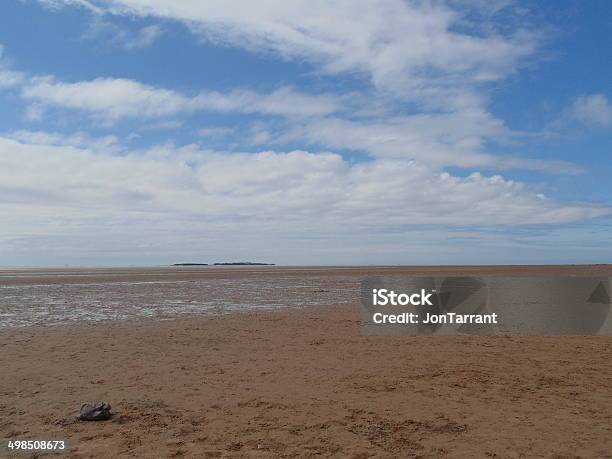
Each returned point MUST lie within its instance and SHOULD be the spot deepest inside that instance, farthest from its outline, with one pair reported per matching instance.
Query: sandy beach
(303, 382)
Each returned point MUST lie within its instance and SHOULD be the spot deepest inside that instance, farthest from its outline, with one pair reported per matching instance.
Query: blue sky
(325, 132)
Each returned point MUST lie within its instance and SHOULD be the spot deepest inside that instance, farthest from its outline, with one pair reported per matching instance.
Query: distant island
(233, 263)
(243, 263)
(190, 264)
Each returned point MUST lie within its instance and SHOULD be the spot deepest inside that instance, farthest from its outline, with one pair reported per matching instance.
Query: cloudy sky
(305, 132)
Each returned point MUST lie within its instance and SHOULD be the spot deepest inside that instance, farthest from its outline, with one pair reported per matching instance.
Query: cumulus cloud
(438, 139)
(455, 138)
(336, 121)
(593, 110)
(76, 198)
(424, 111)
(116, 98)
(411, 48)
(295, 189)
(110, 98)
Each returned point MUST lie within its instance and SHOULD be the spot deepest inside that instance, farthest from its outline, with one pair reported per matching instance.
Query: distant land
(234, 263)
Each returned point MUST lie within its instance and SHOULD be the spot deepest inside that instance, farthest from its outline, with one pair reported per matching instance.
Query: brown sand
(305, 383)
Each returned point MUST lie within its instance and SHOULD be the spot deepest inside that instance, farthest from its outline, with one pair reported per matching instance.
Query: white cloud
(110, 33)
(442, 139)
(107, 144)
(454, 138)
(214, 132)
(9, 78)
(284, 101)
(144, 38)
(293, 190)
(593, 110)
(56, 4)
(116, 98)
(73, 199)
(109, 98)
(424, 50)
(426, 110)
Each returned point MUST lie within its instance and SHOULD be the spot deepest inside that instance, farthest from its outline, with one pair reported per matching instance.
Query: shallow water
(61, 303)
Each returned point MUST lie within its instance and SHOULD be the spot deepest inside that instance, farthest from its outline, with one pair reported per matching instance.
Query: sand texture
(303, 383)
